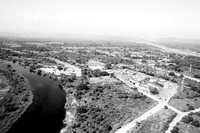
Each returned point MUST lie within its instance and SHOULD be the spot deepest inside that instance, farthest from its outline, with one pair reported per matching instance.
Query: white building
(94, 64)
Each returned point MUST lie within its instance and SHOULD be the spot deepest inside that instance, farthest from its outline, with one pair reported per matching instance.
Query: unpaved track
(178, 119)
(161, 104)
(133, 123)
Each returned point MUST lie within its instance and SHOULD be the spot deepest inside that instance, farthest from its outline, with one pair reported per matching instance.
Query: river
(47, 112)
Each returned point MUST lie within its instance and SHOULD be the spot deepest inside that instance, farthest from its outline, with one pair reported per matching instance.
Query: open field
(188, 96)
(157, 123)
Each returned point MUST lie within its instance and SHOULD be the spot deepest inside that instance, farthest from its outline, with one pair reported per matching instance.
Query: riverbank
(17, 99)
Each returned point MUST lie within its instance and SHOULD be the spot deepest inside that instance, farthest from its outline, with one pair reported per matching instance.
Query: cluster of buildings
(157, 87)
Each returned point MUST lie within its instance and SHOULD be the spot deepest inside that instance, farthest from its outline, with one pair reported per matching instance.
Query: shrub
(39, 72)
(195, 123)
(171, 74)
(154, 90)
(187, 119)
(190, 107)
(60, 68)
(175, 130)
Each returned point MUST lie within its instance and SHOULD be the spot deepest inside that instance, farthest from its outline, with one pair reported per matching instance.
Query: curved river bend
(47, 112)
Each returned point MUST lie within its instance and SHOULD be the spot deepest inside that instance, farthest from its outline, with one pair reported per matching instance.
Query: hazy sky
(101, 17)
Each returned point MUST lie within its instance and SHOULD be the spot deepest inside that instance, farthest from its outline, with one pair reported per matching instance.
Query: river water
(46, 113)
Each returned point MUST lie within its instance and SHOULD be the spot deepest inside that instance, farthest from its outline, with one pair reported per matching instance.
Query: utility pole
(190, 69)
(155, 70)
(182, 83)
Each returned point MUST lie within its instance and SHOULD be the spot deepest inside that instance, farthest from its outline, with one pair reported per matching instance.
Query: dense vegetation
(105, 107)
(18, 98)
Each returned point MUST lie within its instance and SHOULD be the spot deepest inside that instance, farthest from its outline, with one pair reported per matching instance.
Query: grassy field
(189, 124)
(157, 123)
(187, 98)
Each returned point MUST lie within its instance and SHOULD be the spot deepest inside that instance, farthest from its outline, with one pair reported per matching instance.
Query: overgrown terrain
(105, 107)
(17, 99)
(188, 124)
(157, 123)
(188, 96)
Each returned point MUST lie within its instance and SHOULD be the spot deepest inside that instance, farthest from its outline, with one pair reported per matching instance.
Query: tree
(144, 61)
(104, 73)
(39, 72)
(108, 66)
(197, 76)
(97, 73)
(60, 68)
(14, 60)
(154, 90)
(190, 107)
(32, 69)
(175, 130)
(187, 119)
(195, 123)
(8, 66)
(171, 74)
(112, 75)
(71, 78)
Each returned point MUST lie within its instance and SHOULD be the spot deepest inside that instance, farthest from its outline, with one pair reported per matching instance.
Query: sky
(176, 18)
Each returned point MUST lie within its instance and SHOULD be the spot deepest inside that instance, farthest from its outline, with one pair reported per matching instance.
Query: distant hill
(185, 44)
(102, 41)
